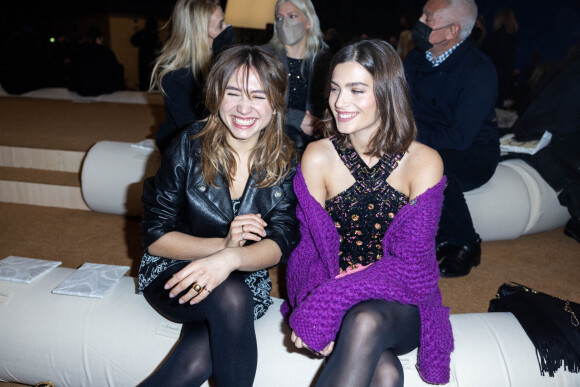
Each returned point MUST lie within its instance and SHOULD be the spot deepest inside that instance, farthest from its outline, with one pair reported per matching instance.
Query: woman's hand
(202, 276)
(248, 227)
(300, 344)
(312, 125)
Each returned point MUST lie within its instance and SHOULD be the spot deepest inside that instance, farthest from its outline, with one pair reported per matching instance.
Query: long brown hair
(397, 127)
(272, 156)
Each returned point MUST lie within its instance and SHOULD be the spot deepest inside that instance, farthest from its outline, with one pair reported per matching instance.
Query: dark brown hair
(397, 125)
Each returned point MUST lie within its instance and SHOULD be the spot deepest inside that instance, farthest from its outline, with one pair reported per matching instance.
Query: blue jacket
(453, 103)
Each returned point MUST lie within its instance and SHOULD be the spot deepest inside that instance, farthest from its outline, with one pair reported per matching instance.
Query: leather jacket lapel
(260, 200)
(217, 198)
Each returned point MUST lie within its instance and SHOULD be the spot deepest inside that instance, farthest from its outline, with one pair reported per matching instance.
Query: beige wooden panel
(42, 195)
(46, 159)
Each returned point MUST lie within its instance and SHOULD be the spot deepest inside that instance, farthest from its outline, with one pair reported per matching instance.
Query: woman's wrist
(223, 243)
(232, 257)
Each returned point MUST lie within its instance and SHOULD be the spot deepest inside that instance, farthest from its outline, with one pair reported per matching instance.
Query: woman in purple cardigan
(362, 283)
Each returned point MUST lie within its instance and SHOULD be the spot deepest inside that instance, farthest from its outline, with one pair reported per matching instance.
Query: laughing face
(352, 100)
(245, 108)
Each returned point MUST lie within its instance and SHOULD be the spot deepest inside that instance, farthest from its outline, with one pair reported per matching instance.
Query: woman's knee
(362, 323)
(387, 324)
(233, 297)
(367, 317)
(389, 371)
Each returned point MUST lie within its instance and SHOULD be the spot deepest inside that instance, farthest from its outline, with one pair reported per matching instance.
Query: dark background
(547, 28)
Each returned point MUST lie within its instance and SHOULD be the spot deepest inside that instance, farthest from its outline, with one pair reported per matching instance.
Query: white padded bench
(119, 340)
(516, 201)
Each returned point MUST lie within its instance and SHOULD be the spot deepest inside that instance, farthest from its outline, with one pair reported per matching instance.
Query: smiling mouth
(243, 122)
(344, 117)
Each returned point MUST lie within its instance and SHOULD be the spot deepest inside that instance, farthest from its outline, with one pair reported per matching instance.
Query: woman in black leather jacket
(218, 213)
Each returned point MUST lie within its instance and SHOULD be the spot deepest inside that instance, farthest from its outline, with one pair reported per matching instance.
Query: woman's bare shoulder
(424, 168)
(317, 162)
(317, 153)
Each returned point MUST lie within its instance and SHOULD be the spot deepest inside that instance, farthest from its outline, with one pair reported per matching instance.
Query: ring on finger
(242, 235)
(197, 288)
(207, 290)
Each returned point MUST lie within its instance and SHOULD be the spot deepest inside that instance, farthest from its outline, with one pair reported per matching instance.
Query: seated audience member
(94, 67)
(218, 213)
(298, 42)
(479, 31)
(555, 109)
(362, 283)
(501, 46)
(405, 43)
(453, 89)
(26, 66)
(197, 32)
(147, 41)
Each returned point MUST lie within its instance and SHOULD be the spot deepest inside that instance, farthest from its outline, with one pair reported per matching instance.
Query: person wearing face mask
(198, 32)
(299, 43)
(453, 88)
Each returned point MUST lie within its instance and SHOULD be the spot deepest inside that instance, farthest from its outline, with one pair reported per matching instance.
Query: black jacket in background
(556, 109)
(453, 103)
(95, 70)
(184, 105)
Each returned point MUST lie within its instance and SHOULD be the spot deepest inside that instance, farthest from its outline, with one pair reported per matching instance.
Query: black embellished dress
(363, 212)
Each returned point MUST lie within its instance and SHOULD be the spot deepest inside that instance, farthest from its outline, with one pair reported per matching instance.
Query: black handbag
(550, 322)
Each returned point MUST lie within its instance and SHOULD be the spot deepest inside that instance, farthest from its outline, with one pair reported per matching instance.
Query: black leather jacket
(177, 199)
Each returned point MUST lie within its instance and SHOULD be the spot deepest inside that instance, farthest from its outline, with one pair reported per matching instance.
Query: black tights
(217, 337)
(372, 334)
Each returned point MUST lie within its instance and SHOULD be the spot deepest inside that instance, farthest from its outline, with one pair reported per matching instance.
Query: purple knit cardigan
(407, 273)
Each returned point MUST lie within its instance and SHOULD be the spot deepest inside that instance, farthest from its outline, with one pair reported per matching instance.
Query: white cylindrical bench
(516, 201)
(113, 173)
(119, 340)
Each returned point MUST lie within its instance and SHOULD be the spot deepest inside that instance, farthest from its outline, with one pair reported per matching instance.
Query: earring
(274, 112)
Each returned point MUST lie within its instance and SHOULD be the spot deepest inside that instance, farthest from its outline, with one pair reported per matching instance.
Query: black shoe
(460, 259)
(572, 229)
(442, 249)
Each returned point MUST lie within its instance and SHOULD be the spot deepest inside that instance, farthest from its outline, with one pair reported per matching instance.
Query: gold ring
(197, 288)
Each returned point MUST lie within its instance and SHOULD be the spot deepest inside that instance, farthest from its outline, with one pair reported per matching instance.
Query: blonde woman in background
(299, 43)
(198, 31)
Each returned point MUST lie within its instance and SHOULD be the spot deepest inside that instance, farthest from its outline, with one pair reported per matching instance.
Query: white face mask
(290, 31)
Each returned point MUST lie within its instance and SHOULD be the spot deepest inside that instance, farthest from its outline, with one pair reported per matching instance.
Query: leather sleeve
(163, 195)
(282, 222)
